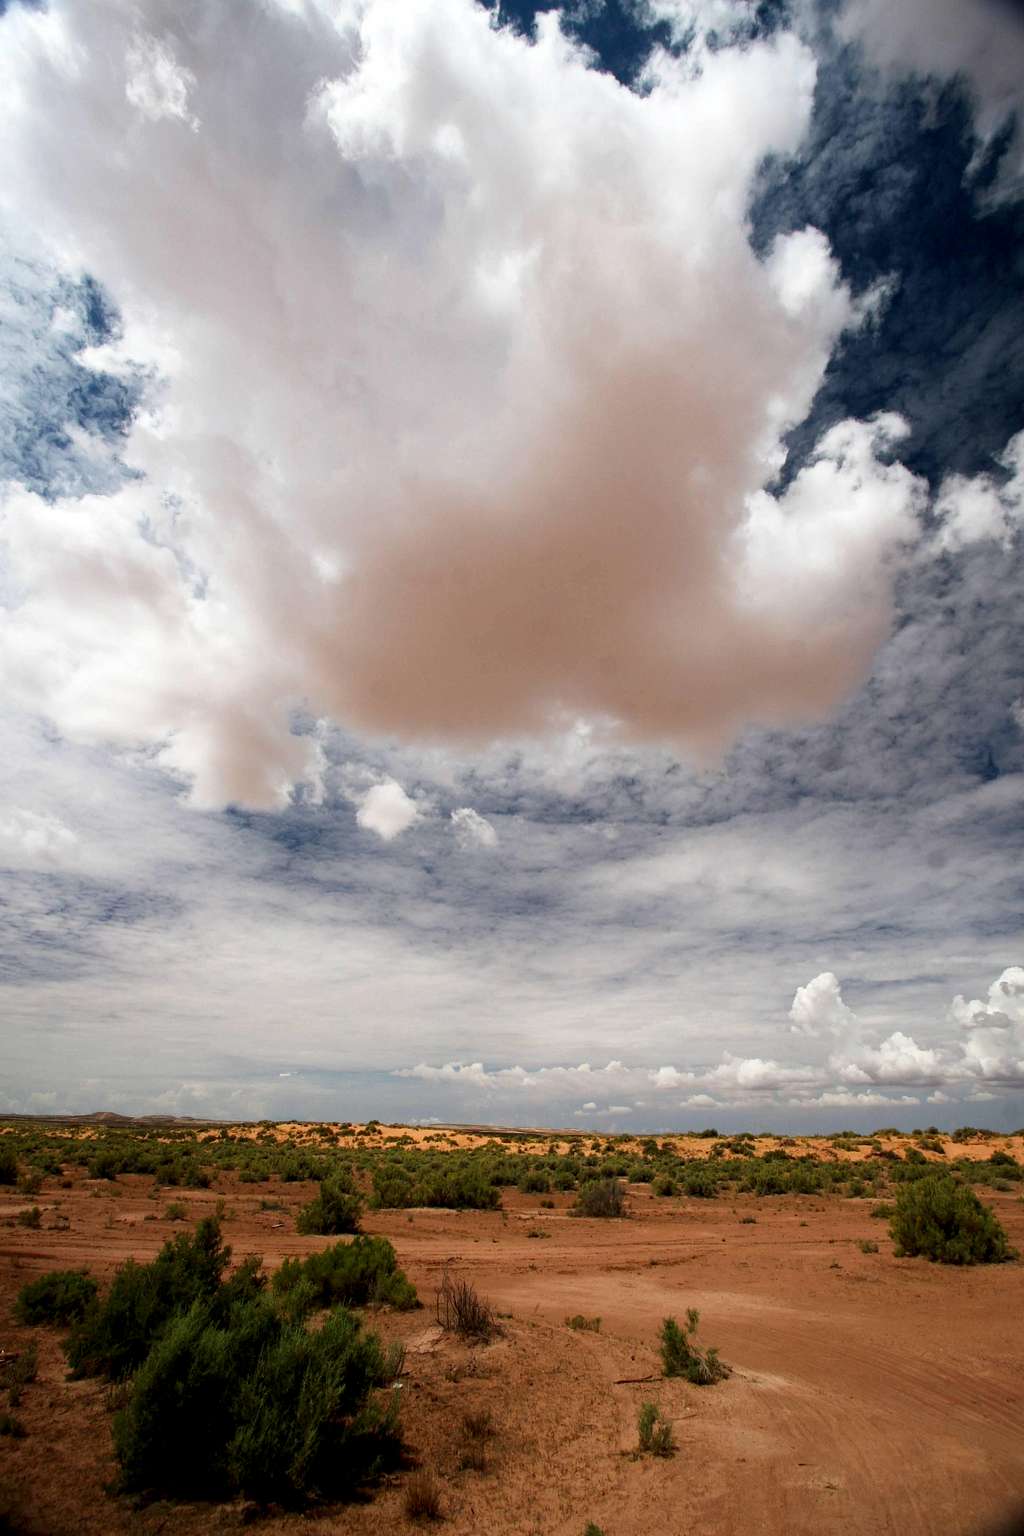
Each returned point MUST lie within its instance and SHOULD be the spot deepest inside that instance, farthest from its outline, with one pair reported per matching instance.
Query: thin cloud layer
(472, 390)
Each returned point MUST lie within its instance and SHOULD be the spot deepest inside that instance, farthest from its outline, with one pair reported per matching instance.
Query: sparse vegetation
(460, 1310)
(866, 1246)
(654, 1432)
(583, 1324)
(478, 1430)
(680, 1356)
(63, 1296)
(944, 1221)
(423, 1496)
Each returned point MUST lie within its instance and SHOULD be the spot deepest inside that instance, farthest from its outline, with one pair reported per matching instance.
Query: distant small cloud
(387, 810)
(473, 830)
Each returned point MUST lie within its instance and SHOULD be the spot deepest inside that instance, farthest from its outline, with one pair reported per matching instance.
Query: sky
(510, 561)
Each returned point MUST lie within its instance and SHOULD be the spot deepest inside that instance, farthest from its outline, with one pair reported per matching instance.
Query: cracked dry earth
(870, 1396)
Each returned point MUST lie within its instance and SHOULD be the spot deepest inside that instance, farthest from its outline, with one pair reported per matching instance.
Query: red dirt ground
(869, 1395)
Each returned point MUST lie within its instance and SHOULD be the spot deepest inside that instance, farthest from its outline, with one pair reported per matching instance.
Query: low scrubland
(231, 1380)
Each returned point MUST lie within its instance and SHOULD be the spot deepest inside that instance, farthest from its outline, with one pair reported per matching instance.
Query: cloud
(387, 810)
(994, 1048)
(1003, 1009)
(519, 384)
(979, 40)
(978, 507)
(472, 830)
(35, 837)
(818, 1008)
(843, 1099)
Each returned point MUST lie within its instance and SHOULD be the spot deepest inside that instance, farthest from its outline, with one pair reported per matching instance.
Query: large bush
(945, 1221)
(117, 1333)
(63, 1296)
(334, 1210)
(356, 1274)
(8, 1165)
(256, 1404)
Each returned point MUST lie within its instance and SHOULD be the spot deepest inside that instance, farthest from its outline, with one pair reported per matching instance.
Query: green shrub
(442, 1181)
(176, 1211)
(700, 1182)
(600, 1197)
(63, 1296)
(946, 1222)
(867, 1246)
(882, 1211)
(680, 1356)
(654, 1432)
(115, 1335)
(31, 1182)
(663, 1185)
(8, 1164)
(31, 1218)
(361, 1273)
(20, 1372)
(334, 1210)
(255, 1404)
(583, 1324)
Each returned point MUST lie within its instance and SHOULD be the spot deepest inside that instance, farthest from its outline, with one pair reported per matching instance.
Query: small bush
(11, 1426)
(21, 1372)
(866, 1246)
(361, 1273)
(654, 1432)
(946, 1222)
(600, 1197)
(336, 1209)
(423, 1496)
(63, 1296)
(663, 1185)
(584, 1324)
(176, 1211)
(32, 1218)
(680, 1356)
(31, 1182)
(459, 1309)
(477, 1429)
(592, 1529)
(8, 1165)
(882, 1211)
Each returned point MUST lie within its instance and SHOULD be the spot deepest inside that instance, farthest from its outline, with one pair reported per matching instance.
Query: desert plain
(869, 1394)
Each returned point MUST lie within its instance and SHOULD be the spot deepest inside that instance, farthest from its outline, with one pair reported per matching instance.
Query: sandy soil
(869, 1395)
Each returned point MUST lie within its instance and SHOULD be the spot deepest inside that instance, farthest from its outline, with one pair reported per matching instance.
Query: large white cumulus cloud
(471, 387)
